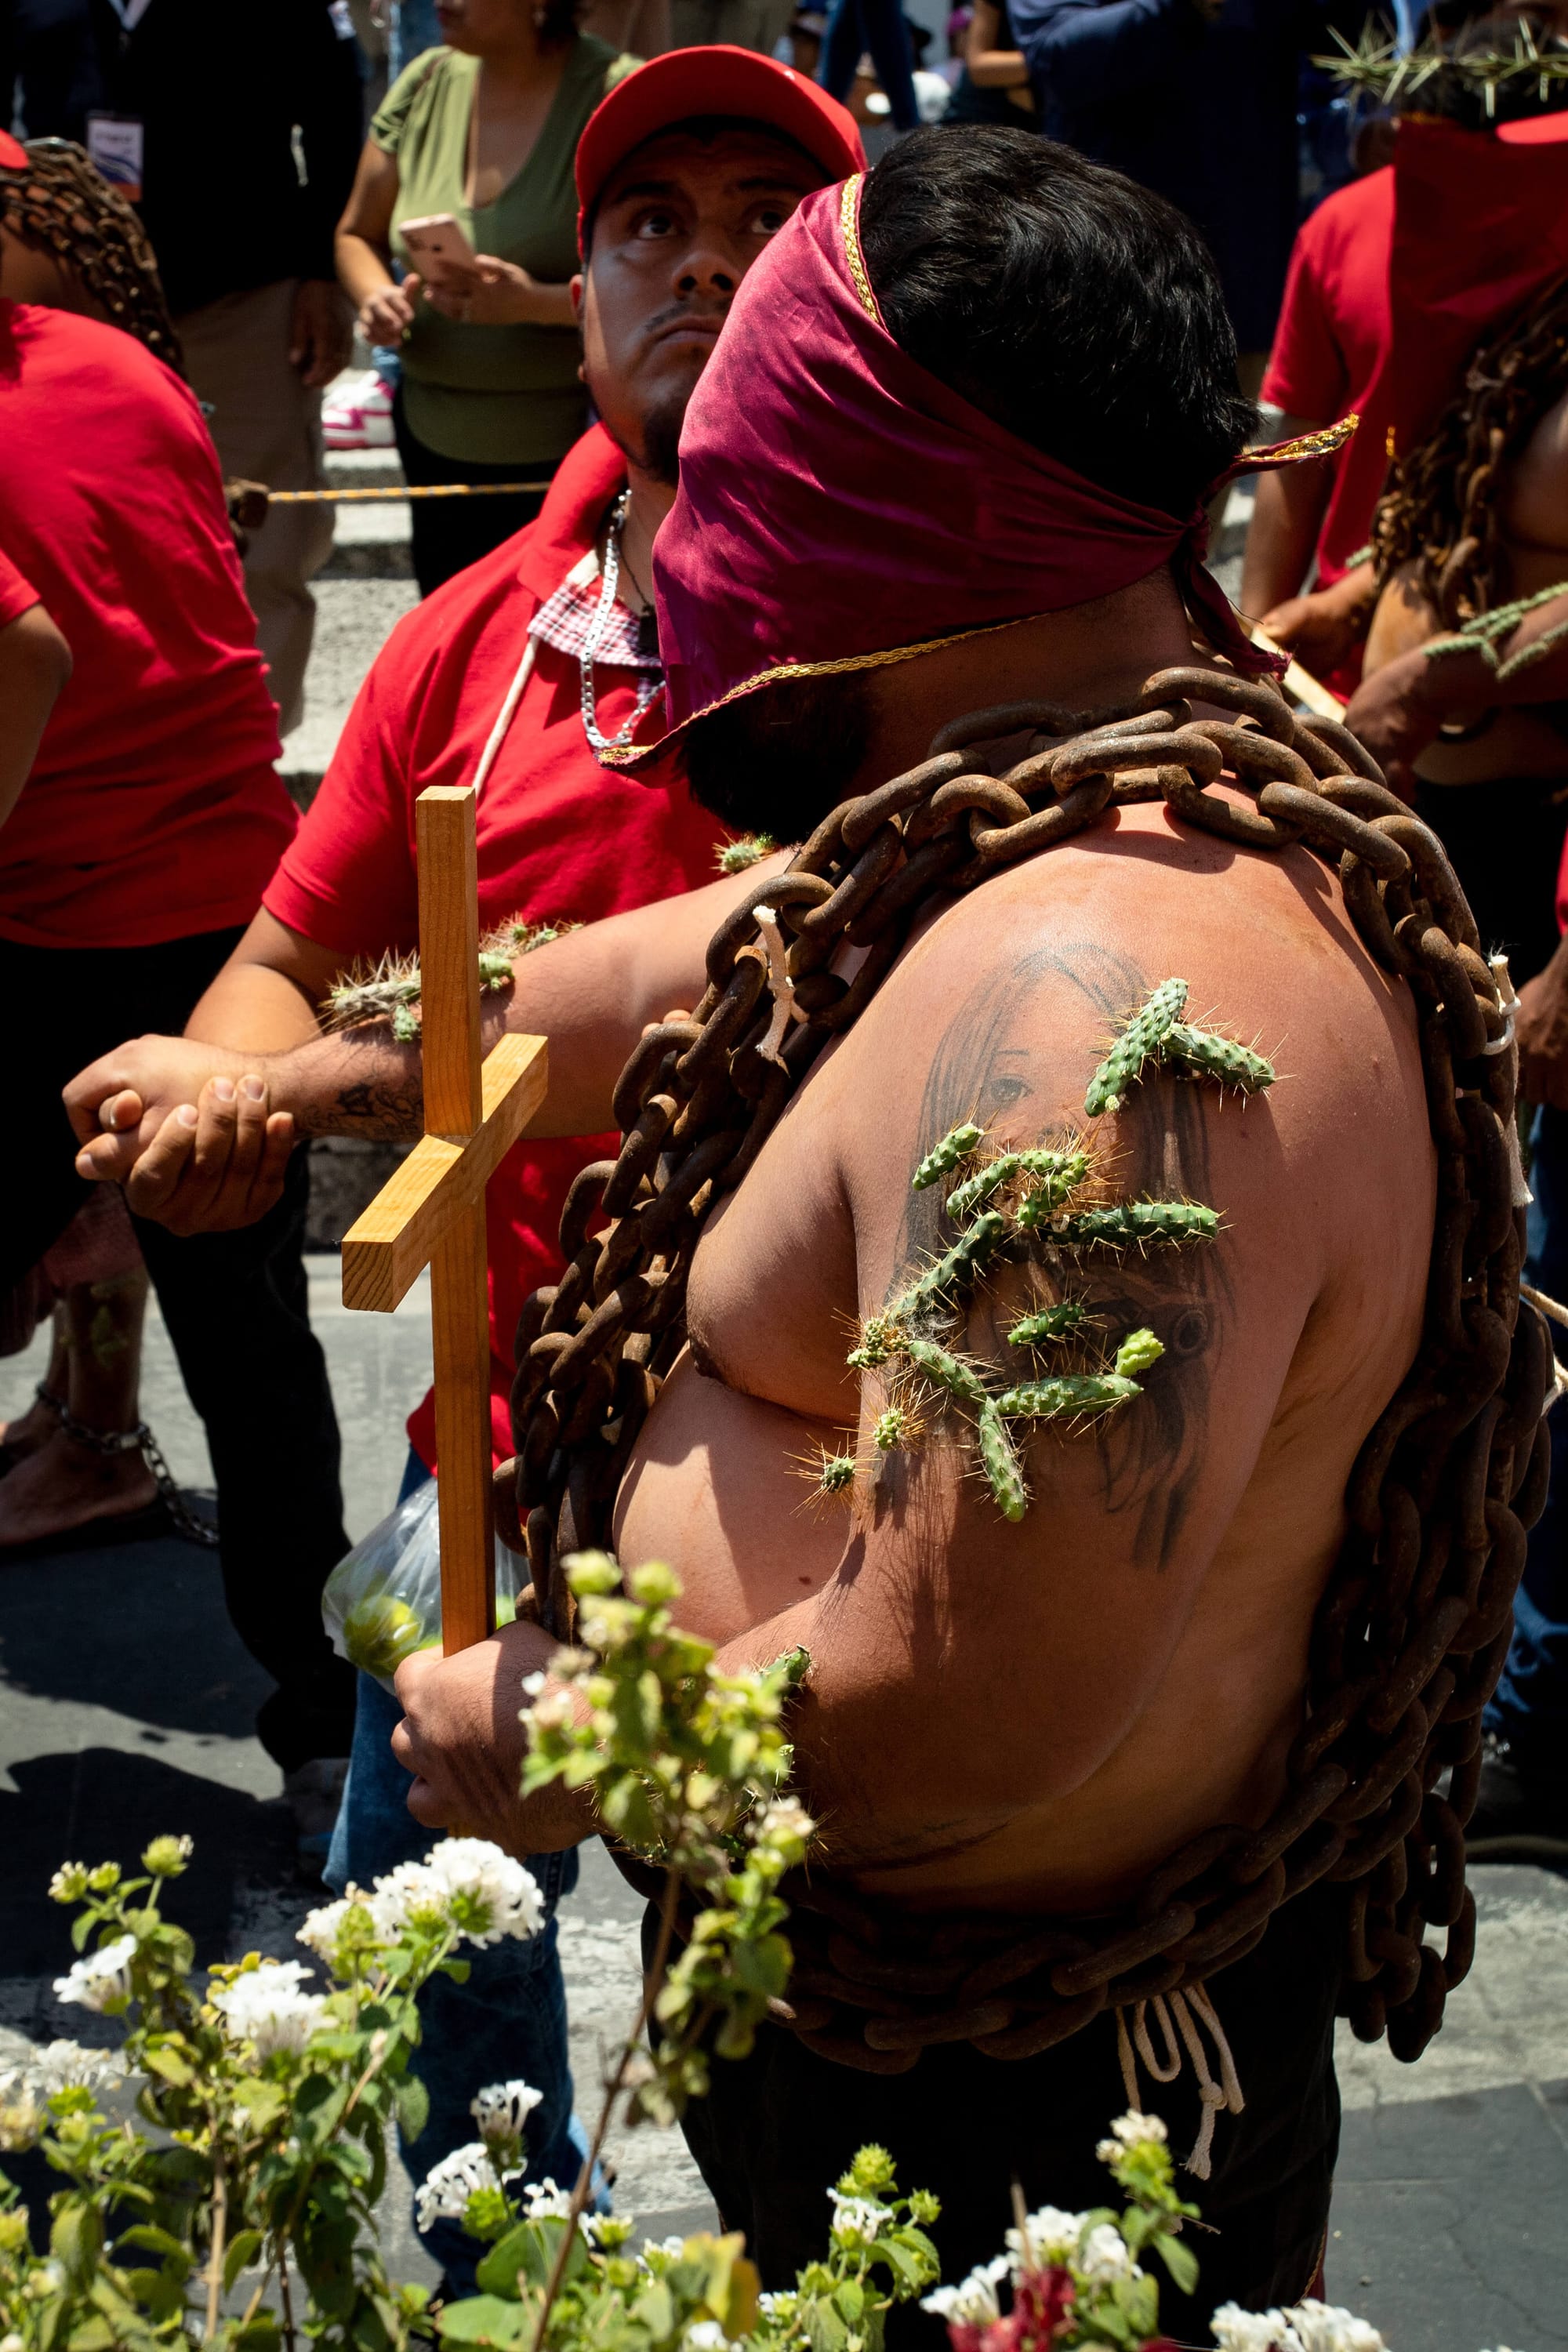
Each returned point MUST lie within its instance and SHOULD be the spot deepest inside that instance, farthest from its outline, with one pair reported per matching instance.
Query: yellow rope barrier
(424, 490)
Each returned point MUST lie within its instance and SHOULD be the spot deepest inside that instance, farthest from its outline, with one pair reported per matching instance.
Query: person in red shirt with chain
(516, 673)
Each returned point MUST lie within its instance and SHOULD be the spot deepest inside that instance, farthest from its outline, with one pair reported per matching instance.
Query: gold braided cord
(849, 222)
(1438, 513)
(628, 754)
(63, 206)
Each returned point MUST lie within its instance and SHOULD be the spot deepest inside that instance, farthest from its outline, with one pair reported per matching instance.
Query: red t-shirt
(154, 811)
(1335, 329)
(17, 595)
(559, 838)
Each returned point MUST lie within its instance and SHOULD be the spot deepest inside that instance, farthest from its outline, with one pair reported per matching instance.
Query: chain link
(140, 1440)
(1414, 1624)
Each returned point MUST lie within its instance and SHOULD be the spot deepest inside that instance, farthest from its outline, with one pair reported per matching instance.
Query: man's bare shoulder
(1003, 1009)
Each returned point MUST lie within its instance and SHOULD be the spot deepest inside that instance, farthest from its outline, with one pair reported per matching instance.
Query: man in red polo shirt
(517, 673)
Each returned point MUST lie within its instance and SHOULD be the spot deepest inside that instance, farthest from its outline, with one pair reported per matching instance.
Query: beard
(776, 761)
(659, 453)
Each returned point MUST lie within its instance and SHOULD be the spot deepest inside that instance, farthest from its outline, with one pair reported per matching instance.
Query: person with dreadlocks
(135, 857)
(1465, 702)
(951, 456)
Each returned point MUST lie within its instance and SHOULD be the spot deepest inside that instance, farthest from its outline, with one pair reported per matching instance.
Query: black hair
(1079, 310)
(776, 761)
(706, 130)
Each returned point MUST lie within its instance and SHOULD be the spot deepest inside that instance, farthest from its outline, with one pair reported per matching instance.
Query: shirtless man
(999, 1718)
(1485, 759)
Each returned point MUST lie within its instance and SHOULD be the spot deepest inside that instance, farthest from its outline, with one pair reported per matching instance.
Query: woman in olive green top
(485, 129)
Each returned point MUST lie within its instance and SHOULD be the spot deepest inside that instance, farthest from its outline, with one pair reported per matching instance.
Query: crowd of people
(778, 467)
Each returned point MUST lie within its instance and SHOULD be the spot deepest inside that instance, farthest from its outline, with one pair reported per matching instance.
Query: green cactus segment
(978, 1188)
(495, 968)
(1137, 1352)
(955, 1144)
(999, 1460)
(1201, 1054)
(969, 1256)
(896, 1432)
(380, 1632)
(1051, 1323)
(1058, 1175)
(1141, 1221)
(946, 1372)
(736, 856)
(1070, 1395)
(520, 939)
(880, 1338)
(836, 1474)
(1140, 1039)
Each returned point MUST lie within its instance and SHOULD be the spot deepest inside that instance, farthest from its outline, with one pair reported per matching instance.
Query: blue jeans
(415, 27)
(1530, 1708)
(509, 2019)
(878, 26)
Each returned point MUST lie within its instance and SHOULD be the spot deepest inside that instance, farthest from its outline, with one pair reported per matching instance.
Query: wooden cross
(432, 1212)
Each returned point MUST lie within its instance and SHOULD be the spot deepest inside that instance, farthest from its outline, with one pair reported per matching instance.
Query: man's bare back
(1027, 1716)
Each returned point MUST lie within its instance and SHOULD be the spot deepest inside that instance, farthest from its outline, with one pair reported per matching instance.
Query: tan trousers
(749, 23)
(268, 428)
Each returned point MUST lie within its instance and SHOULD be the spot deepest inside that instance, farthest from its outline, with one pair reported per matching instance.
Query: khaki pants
(748, 24)
(268, 428)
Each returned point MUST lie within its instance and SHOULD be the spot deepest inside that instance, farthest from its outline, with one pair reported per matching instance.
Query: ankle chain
(141, 1441)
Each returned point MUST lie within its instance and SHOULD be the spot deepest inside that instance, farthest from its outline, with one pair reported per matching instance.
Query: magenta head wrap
(840, 507)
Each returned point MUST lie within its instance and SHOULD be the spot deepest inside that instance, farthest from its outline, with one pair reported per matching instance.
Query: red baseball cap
(716, 79)
(13, 154)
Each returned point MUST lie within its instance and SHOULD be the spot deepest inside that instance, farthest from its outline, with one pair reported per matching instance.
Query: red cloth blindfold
(840, 507)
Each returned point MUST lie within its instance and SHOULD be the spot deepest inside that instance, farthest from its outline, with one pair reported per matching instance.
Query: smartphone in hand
(437, 247)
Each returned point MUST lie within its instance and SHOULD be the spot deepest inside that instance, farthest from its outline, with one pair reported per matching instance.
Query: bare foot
(31, 1430)
(65, 1485)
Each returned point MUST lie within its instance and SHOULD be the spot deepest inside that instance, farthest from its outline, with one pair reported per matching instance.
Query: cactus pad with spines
(1051, 1323)
(1204, 1054)
(968, 1257)
(999, 1460)
(955, 1146)
(1138, 1041)
(945, 1370)
(1140, 1221)
(1137, 1352)
(976, 1190)
(1068, 1396)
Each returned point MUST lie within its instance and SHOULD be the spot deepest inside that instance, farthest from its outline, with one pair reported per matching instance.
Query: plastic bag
(382, 1601)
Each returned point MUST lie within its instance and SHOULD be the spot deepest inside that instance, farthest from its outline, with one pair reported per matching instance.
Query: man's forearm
(358, 1082)
(1287, 517)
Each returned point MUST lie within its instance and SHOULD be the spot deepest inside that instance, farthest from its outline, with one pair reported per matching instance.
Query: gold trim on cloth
(627, 755)
(849, 222)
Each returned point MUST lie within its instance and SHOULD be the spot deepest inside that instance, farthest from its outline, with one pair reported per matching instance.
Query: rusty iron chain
(1414, 1624)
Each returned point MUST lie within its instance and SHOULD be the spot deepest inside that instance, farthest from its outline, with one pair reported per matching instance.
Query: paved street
(125, 1705)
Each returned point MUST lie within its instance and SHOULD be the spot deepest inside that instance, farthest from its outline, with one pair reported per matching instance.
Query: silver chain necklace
(609, 581)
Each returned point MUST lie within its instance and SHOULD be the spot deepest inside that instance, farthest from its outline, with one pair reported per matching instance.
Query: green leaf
(243, 2249)
(849, 2301)
(151, 2239)
(526, 2255)
(1180, 2261)
(264, 2104)
(413, 2104)
(167, 2059)
(76, 2242)
(485, 2319)
(823, 2328)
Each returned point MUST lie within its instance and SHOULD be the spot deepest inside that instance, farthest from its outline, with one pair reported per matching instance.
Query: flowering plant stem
(613, 2089)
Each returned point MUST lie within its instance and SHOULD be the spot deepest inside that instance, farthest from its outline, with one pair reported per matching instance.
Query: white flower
(855, 2220)
(21, 2118)
(444, 2193)
(784, 1822)
(1234, 2330)
(490, 1894)
(100, 1980)
(1053, 2237)
(323, 1926)
(1130, 2131)
(974, 2299)
(1329, 2327)
(69, 1883)
(705, 2336)
(534, 1683)
(266, 2006)
(501, 2109)
(410, 1895)
(67, 2067)
(1103, 2256)
(542, 2201)
(780, 2306)
(662, 2246)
